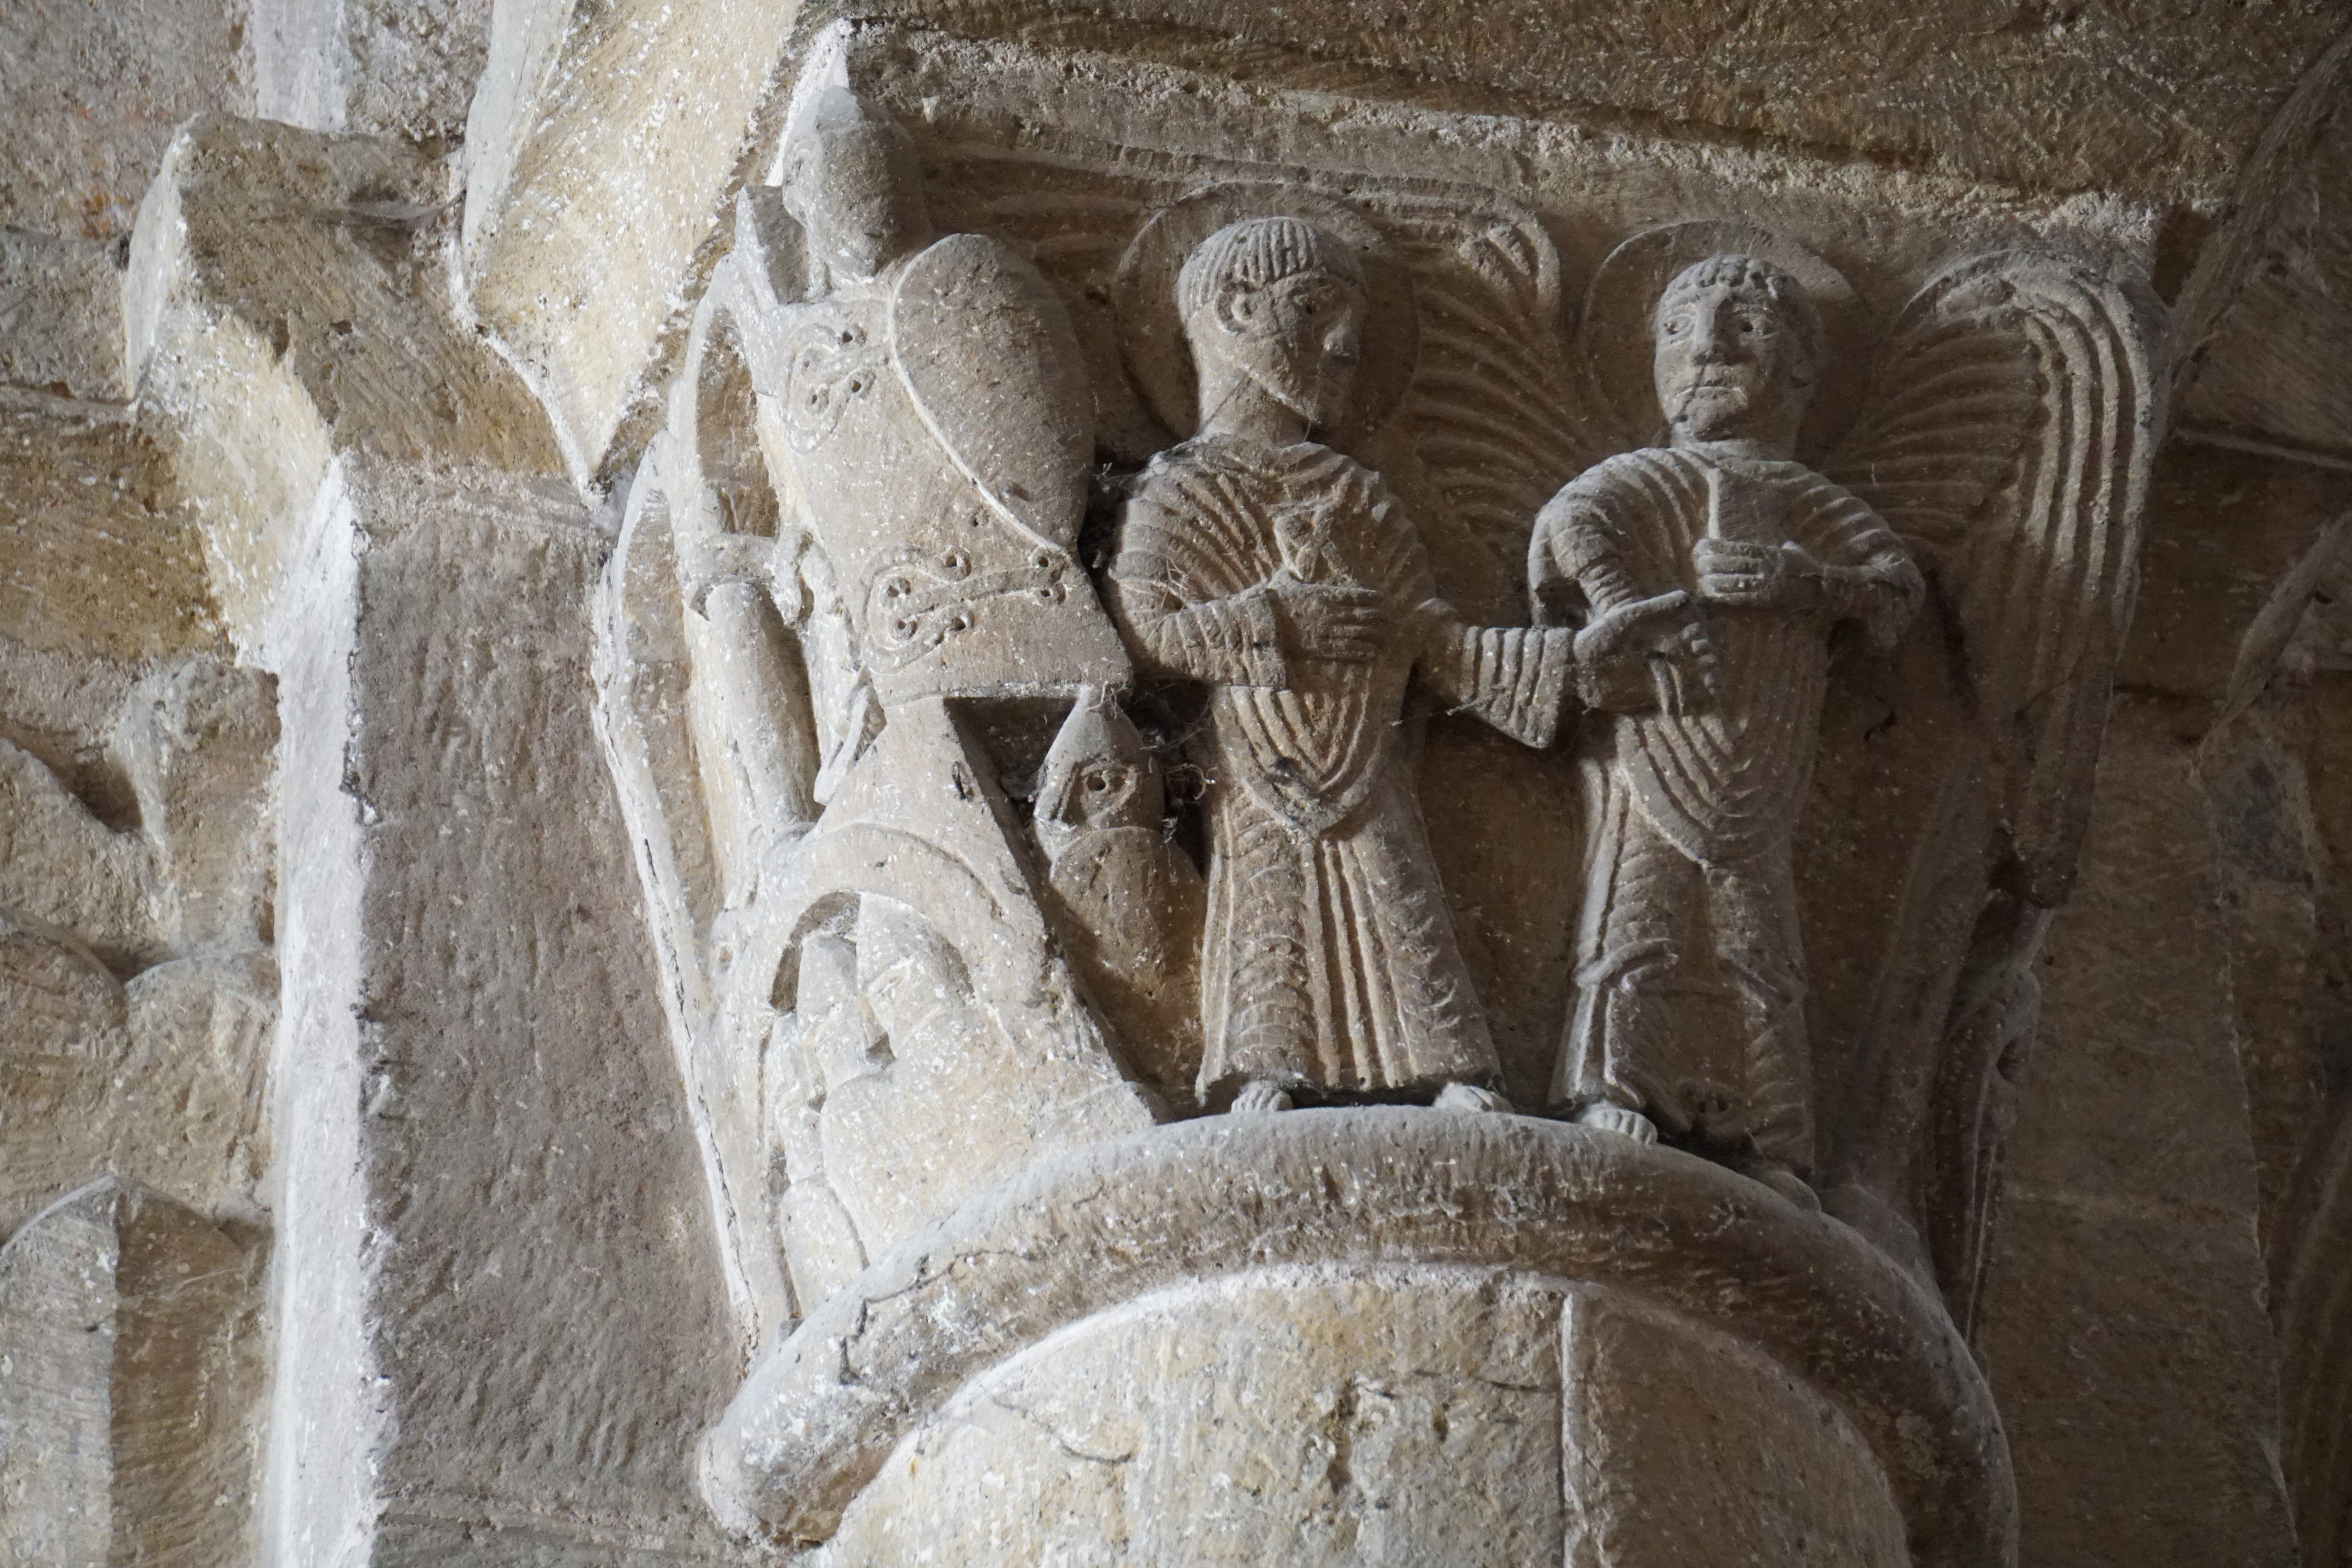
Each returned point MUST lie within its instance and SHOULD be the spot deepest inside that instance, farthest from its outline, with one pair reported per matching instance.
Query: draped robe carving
(1330, 959)
(1690, 972)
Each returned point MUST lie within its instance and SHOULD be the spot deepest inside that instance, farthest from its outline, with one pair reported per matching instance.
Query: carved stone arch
(731, 353)
(734, 475)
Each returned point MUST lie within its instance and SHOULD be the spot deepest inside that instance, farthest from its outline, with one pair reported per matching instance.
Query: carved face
(1300, 338)
(1731, 364)
(850, 181)
(1109, 792)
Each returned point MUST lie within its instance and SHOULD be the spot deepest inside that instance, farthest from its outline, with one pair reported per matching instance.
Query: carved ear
(1238, 308)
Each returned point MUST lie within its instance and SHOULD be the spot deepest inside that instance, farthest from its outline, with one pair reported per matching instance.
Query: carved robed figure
(1690, 973)
(1283, 576)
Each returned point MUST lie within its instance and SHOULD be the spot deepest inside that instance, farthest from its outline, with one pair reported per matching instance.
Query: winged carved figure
(1934, 801)
(1972, 537)
(1914, 810)
(1940, 797)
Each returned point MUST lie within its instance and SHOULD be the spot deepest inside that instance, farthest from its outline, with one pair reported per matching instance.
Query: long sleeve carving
(1234, 640)
(1516, 678)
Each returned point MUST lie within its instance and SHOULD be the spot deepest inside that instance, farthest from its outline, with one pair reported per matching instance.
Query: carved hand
(1332, 621)
(1651, 654)
(1759, 576)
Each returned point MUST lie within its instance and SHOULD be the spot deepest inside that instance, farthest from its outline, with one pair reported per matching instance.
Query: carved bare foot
(1786, 1182)
(1260, 1096)
(1605, 1117)
(1470, 1097)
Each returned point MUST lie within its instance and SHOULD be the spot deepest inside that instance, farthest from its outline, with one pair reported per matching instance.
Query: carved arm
(1635, 651)
(1235, 640)
(1517, 678)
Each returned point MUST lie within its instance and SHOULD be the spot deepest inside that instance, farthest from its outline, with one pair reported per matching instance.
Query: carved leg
(1755, 922)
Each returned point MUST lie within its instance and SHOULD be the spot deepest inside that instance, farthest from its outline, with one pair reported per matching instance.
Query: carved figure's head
(1277, 304)
(1098, 774)
(851, 179)
(1738, 350)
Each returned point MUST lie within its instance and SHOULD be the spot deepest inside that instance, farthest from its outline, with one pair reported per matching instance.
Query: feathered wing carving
(1494, 421)
(1494, 413)
(2008, 437)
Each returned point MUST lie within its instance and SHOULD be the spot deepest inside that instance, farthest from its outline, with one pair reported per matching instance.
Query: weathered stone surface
(2127, 1290)
(1304, 1415)
(374, 493)
(62, 300)
(130, 1358)
(1393, 1414)
(106, 571)
(403, 70)
(91, 94)
(2272, 368)
(477, 1164)
(2054, 101)
(1030, 557)
(1686, 1445)
(602, 150)
(1077, 1234)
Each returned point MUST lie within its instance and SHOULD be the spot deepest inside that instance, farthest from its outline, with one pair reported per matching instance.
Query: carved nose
(1710, 343)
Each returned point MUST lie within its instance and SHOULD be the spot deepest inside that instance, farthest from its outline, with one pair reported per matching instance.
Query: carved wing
(992, 362)
(2013, 422)
(2007, 437)
(1493, 420)
(1494, 413)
